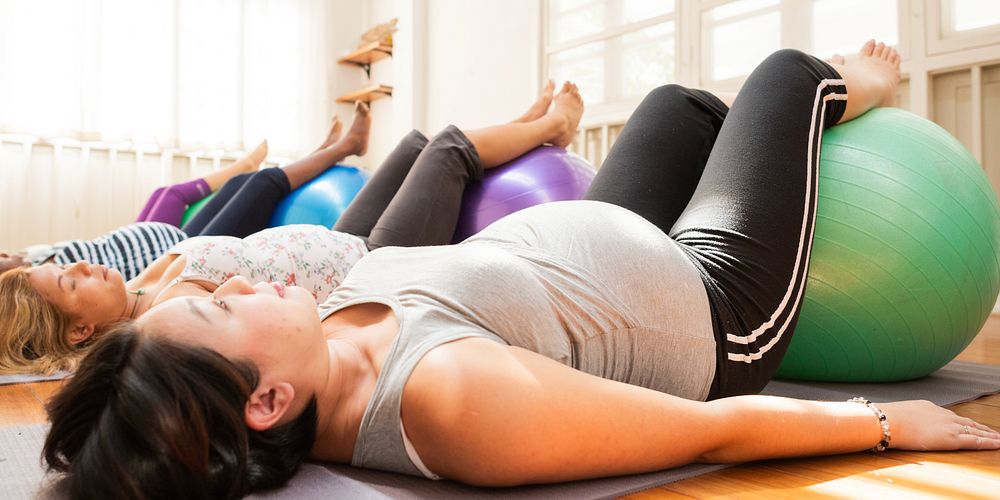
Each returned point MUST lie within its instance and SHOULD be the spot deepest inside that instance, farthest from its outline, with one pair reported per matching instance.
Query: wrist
(883, 423)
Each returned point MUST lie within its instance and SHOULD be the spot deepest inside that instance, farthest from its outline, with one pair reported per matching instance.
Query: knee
(266, 176)
(786, 58)
(451, 153)
(669, 97)
(171, 191)
(668, 92)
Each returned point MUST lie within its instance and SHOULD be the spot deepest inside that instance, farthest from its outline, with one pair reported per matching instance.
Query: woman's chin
(299, 294)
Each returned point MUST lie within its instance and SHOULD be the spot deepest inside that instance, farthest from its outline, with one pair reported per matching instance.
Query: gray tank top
(588, 284)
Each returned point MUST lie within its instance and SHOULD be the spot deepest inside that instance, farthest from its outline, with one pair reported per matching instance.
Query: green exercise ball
(194, 208)
(904, 266)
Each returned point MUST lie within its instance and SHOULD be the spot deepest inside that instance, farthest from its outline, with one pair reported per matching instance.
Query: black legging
(412, 199)
(737, 191)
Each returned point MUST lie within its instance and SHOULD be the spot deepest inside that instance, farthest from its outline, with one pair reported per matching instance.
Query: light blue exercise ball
(321, 200)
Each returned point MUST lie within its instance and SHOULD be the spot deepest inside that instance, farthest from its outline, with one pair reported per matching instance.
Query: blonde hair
(33, 332)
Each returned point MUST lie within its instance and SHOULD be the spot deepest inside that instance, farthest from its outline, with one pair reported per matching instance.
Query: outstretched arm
(488, 414)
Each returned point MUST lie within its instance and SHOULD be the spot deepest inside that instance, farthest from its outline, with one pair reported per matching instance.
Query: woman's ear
(267, 404)
(79, 333)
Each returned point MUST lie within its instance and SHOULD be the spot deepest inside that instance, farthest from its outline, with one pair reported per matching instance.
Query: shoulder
(447, 379)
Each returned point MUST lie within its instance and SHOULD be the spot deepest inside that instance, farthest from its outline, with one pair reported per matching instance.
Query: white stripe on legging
(804, 250)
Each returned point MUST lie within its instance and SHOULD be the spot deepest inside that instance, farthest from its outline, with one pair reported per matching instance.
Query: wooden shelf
(367, 54)
(367, 94)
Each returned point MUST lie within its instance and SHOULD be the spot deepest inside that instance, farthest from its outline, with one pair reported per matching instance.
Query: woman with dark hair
(616, 335)
(160, 381)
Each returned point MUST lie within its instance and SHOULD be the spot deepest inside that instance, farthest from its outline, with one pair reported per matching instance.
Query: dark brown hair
(146, 417)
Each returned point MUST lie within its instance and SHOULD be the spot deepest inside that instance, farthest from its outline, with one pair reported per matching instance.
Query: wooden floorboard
(894, 474)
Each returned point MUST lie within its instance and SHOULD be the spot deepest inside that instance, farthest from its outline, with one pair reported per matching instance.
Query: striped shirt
(129, 249)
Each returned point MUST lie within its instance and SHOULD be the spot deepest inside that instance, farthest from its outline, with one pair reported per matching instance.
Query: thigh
(204, 216)
(250, 209)
(749, 224)
(657, 161)
(150, 203)
(373, 199)
(426, 208)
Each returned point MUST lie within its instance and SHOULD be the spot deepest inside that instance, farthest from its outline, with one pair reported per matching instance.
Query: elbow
(721, 426)
(487, 478)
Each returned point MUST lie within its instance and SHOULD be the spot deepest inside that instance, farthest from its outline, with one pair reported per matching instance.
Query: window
(837, 27)
(726, 30)
(737, 35)
(967, 15)
(615, 50)
(185, 74)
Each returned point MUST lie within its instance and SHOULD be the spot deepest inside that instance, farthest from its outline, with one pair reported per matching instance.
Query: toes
(879, 50)
(549, 87)
(867, 48)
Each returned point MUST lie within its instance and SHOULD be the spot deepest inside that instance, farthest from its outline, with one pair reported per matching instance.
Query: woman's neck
(357, 341)
(349, 385)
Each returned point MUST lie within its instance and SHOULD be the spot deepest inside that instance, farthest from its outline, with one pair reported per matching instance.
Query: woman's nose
(80, 267)
(235, 285)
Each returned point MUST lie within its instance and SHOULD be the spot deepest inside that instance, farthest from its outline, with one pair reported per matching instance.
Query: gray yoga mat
(21, 473)
(24, 379)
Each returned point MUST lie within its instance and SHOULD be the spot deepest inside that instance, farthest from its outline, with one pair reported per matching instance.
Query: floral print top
(309, 256)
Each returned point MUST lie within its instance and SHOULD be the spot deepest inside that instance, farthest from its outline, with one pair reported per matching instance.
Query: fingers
(971, 442)
(973, 435)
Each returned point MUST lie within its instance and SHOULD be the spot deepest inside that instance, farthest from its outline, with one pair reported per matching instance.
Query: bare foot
(251, 162)
(541, 106)
(871, 78)
(568, 110)
(356, 139)
(836, 59)
(335, 126)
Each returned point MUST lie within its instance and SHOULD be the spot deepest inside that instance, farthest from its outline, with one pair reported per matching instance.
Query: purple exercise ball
(544, 174)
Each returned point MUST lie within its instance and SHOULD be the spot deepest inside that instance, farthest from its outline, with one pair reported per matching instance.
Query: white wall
(483, 61)
(468, 62)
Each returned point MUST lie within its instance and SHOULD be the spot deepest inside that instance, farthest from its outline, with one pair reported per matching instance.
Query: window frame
(615, 111)
(940, 42)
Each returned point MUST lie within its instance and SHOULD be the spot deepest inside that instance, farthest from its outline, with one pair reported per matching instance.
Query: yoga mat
(21, 473)
(24, 379)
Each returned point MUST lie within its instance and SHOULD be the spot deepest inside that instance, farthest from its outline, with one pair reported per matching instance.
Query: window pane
(43, 55)
(209, 54)
(576, 23)
(624, 67)
(734, 9)
(574, 19)
(731, 53)
(842, 26)
(638, 10)
(583, 65)
(647, 60)
(972, 14)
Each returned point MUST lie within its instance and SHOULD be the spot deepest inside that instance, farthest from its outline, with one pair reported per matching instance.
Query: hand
(924, 426)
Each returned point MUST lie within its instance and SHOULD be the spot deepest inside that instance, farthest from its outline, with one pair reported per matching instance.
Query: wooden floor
(894, 474)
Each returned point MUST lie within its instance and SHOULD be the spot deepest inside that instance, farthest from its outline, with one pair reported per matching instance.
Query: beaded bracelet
(886, 435)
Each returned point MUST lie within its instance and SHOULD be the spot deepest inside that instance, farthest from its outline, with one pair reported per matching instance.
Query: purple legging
(167, 204)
